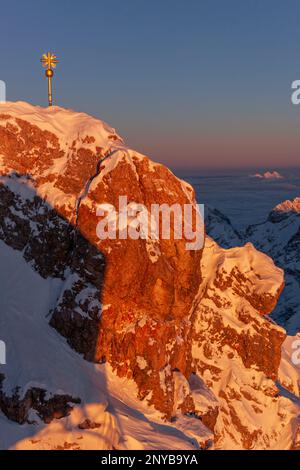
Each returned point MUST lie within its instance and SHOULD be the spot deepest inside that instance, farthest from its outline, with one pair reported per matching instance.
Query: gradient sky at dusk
(191, 83)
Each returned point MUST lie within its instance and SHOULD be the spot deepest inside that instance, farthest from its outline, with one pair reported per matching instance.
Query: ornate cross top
(49, 61)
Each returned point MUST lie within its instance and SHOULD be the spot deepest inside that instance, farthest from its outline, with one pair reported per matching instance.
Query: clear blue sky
(191, 83)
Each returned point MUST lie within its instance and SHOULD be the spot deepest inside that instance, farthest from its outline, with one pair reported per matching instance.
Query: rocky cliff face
(236, 349)
(122, 299)
(188, 328)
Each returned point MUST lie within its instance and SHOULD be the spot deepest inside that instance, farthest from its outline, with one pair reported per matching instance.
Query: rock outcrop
(236, 349)
(122, 299)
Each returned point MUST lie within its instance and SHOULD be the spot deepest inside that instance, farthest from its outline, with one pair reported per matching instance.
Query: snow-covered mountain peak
(61, 151)
(288, 206)
(67, 125)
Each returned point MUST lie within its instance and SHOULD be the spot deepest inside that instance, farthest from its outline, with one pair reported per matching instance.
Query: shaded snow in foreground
(38, 356)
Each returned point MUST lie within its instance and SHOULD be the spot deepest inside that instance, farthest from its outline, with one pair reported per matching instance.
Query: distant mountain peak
(288, 206)
(268, 175)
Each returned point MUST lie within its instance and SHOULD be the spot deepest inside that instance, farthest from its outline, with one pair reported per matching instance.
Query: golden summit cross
(49, 61)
